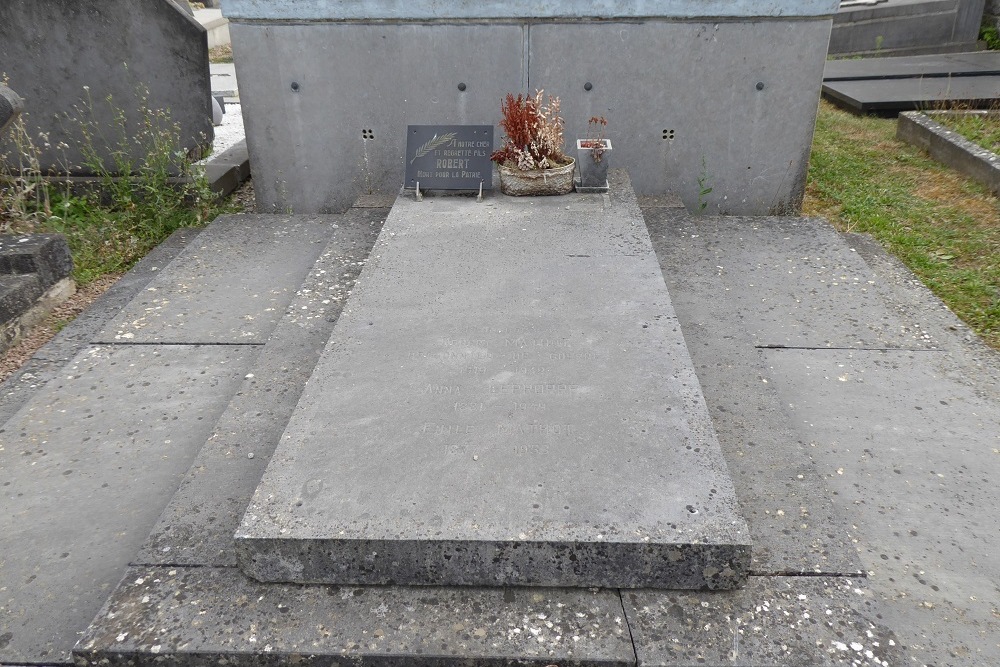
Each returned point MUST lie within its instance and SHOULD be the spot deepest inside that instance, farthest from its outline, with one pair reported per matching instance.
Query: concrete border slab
(196, 616)
(86, 466)
(256, 262)
(949, 147)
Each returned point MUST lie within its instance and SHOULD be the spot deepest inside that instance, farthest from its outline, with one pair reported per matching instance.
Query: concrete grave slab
(191, 616)
(196, 528)
(978, 92)
(507, 400)
(771, 622)
(904, 67)
(86, 466)
(253, 263)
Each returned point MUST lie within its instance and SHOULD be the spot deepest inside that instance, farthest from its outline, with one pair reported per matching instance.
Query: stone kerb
(699, 94)
(58, 54)
(949, 147)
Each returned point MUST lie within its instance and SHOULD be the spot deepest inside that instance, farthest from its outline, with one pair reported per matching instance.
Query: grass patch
(943, 226)
(979, 127)
(221, 54)
(131, 208)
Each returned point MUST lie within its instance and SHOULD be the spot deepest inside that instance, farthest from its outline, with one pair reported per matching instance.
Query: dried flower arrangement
(534, 133)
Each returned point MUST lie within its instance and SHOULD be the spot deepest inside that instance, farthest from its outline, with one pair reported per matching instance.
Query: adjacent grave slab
(979, 63)
(231, 286)
(506, 400)
(144, 55)
(196, 616)
(907, 27)
(913, 94)
(86, 466)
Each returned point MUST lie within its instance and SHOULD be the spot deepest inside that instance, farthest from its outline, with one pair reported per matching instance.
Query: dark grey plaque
(449, 157)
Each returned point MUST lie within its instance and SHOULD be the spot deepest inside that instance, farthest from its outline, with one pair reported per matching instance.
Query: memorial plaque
(449, 157)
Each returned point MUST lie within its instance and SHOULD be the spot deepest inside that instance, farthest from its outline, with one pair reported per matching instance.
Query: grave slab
(231, 286)
(507, 399)
(197, 616)
(86, 466)
(978, 92)
(905, 67)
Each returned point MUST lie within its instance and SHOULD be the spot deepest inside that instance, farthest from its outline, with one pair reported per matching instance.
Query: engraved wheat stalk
(435, 142)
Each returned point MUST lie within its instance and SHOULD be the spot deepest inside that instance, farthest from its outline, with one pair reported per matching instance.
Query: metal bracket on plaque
(420, 195)
(480, 197)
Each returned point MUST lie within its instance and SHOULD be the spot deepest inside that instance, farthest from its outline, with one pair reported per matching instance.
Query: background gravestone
(50, 50)
(10, 106)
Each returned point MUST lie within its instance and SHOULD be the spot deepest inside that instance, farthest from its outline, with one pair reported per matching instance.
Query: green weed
(133, 207)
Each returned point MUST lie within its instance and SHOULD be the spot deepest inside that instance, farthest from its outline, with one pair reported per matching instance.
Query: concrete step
(509, 402)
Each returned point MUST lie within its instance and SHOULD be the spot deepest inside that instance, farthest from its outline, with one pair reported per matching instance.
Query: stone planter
(558, 181)
(593, 173)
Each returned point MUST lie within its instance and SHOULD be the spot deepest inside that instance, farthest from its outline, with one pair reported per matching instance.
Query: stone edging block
(949, 147)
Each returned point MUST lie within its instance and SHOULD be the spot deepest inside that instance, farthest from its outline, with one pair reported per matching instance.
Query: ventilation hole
(668, 135)
(367, 134)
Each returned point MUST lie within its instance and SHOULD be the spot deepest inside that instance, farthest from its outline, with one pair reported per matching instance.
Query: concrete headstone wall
(907, 27)
(699, 94)
(57, 52)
